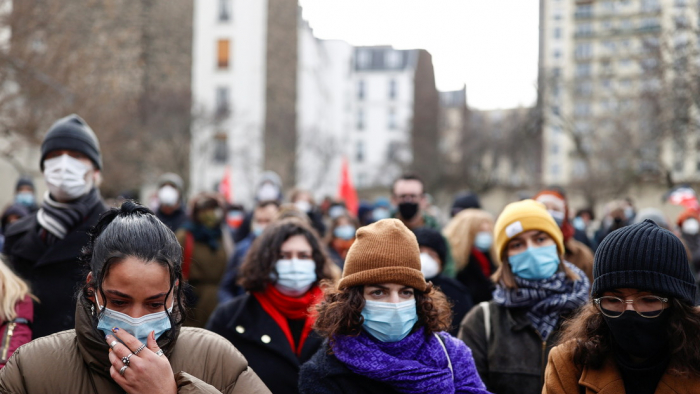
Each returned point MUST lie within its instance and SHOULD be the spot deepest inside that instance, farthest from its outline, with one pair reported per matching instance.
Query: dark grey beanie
(73, 133)
(643, 256)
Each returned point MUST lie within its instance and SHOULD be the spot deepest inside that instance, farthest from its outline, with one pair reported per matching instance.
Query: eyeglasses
(648, 306)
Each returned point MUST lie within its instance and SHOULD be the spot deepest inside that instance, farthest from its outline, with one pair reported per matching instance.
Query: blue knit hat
(643, 256)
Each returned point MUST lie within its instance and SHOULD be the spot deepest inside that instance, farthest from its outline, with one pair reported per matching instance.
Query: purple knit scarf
(415, 364)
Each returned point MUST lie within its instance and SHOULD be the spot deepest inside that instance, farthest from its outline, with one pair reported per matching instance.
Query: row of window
(362, 89)
(388, 58)
(391, 122)
(392, 152)
(613, 6)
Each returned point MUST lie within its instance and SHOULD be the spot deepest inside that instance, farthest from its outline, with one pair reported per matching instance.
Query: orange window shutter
(223, 50)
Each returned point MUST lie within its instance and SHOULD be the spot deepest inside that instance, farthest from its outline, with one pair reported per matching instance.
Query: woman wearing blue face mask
(128, 335)
(341, 237)
(535, 289)
(271, 324)
(385, 325)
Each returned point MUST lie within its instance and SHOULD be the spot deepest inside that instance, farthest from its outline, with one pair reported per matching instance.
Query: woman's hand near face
(147, 373)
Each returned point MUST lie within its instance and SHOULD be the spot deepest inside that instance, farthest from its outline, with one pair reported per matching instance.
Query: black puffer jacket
(53, 272)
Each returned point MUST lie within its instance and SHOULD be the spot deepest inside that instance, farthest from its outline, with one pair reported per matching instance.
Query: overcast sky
(491, 45)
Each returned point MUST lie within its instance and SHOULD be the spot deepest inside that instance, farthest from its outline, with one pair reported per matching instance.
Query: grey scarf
(58, 219)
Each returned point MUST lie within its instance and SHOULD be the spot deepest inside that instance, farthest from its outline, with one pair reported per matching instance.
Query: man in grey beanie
(44, 247)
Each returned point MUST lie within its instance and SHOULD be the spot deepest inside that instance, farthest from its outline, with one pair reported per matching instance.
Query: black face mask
(408, 210)
(639, 336)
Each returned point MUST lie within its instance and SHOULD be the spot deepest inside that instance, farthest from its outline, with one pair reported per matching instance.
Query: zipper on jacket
(7, 339)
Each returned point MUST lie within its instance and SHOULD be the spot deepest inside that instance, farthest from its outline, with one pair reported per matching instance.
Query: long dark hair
(265, 251)
(593, 341)
(133, 231)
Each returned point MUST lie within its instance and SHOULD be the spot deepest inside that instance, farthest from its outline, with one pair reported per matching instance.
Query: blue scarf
(546, 299)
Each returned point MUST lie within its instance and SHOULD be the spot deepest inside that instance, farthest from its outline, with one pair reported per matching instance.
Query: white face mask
(268, 192)
(168, 196)
(295, 276)
(67, 178)
(428, 266)
(303, 206)
(691, 227)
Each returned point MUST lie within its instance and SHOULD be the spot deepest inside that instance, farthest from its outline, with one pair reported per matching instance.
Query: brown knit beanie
(383, 252)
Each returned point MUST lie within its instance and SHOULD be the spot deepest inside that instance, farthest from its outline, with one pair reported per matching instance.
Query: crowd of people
(197, 295)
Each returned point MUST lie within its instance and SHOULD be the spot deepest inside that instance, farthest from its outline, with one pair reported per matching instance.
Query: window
(392, 152)
(392, 58)
(222, 58)
(609, 46)
(584, 50)
(224, 10)
(582, 109)
(391, 119)
(583, 11)
(392, 89)
(626, 25)
(583, 70)
(364, 58)
(557, 33)
(361, 89)
(220, 150)
(651, 5)
(555, 170)
(584, 30)
(360, 152)
(222, 101)
(555, 148)
(557, 53)
(584, 88)
(555, 110)
(360, 119)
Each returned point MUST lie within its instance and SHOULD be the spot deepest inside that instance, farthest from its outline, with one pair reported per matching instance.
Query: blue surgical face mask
(388, 321)
(579, 223)
(535, 263)
(294, 276)
(138, 327)
(380, 213)
(25, 198)
(258, 229)
(483, 241)
(345, 232)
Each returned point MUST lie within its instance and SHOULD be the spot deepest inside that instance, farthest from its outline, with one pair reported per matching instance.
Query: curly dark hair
(340, 311)
(266, 250)
(594, 343)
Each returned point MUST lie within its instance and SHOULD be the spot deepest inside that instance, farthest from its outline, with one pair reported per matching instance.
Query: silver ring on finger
(125, 360)
(159, 352)
(139, 349)
(122, 370)
(113, 344)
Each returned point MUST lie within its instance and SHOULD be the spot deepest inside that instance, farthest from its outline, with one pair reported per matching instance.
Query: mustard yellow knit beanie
(522, 216)
(383, 252)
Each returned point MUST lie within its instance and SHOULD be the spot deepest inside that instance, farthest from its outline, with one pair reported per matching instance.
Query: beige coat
(76, 361)
(562, 376)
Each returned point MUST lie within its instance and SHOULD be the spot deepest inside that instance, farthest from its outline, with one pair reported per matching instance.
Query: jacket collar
(92, 345)
(608, 380)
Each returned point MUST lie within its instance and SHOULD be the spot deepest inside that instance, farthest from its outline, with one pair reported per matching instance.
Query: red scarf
(281, 307)
(483, 261)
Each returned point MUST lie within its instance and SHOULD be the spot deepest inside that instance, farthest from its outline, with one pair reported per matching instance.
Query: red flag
(346, 190)
(226, 186)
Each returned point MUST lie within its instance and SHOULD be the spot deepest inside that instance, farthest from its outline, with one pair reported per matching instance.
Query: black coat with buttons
(254, 333)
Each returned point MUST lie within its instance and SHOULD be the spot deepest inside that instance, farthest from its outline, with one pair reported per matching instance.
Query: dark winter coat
(459, 297)
(174, 220)
(324, 373)
(513, 359)
(472, 277)
(228, 288)
(52, 272)
(263, 343)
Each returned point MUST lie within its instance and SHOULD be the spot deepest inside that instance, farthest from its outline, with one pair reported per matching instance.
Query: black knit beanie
(72, 133)
(643, 256)
(432, 239)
